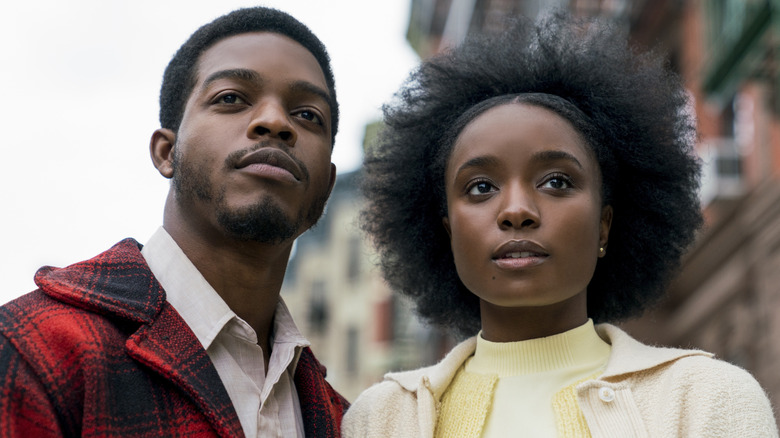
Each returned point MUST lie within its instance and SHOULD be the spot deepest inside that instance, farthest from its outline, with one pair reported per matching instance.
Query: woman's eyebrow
(479, 162)
(556, 155)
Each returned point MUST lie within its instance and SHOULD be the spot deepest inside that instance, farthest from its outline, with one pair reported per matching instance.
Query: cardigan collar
(634, 356)
(628, 356)
(436, 377)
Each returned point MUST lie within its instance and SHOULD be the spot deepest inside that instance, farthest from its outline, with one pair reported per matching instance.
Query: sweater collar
(570, 349)
(628, 356)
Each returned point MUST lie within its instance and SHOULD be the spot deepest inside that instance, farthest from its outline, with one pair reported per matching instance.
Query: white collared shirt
(266, 403)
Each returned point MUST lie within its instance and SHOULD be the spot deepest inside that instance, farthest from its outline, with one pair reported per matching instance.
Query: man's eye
(230, 99)
(311, 116)
(480, 188)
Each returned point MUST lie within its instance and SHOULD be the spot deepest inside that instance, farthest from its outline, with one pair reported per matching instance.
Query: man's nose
(271, 119)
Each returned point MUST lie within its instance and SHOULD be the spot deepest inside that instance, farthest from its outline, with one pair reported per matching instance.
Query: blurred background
(58, 197)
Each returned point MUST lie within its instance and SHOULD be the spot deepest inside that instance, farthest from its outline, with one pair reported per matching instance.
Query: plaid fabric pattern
(96, 351)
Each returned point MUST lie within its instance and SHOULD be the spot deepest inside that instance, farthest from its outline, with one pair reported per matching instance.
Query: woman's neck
(509, 324)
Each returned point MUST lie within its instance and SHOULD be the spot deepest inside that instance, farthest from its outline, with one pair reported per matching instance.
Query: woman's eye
(558, 182)
(310, 116)
(481, 188)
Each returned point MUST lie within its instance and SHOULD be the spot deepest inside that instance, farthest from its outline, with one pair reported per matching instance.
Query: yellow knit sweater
(527, 386)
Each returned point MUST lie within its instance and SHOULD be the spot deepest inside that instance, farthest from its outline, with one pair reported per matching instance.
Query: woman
(526, 186)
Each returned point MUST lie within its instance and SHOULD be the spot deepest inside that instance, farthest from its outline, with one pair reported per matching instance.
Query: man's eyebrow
(242, 74)
(309, 88)
(555, 155)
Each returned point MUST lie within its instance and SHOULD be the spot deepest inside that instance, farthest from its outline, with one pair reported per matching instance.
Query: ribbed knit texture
(570, 422)
(526, 385)
(465, 405)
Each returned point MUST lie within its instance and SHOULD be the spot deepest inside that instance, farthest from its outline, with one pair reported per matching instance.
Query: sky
(80, 82)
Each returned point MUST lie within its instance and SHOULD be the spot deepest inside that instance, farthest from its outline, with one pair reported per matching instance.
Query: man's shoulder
(46, 331)
(38, 312)
(116, 282)
(74, 306)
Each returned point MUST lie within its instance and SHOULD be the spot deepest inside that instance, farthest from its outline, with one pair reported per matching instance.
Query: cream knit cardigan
(644, 392)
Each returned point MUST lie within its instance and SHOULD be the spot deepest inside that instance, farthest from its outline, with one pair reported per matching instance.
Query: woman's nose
(518, 209)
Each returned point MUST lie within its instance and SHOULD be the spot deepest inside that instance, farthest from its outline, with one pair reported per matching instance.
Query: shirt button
(606, 394)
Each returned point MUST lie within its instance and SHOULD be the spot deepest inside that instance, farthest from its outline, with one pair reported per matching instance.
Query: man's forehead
(262, 52)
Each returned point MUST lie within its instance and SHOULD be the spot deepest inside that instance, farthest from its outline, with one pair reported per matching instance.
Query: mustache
(234, 157)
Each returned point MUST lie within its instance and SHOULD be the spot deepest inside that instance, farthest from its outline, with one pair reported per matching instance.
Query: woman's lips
(519, 262)
(518, 254)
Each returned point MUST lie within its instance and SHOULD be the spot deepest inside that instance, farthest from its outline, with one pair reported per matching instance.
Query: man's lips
(519, 254)
(273, 157)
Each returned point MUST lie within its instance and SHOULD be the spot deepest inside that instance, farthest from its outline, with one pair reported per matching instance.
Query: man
(187, 335)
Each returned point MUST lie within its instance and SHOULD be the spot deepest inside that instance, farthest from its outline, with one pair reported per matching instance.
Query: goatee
(262, 222)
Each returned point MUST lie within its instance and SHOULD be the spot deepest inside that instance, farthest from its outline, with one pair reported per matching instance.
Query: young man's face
(252, 154)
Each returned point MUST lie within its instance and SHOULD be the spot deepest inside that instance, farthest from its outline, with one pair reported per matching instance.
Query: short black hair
(631, 110)
(181, 74)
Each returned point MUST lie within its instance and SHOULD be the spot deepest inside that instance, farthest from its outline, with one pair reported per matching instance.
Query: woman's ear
(446, 222)
(604, 226)
(161, 151)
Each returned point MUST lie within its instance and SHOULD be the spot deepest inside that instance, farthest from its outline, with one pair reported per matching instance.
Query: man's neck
(247, 276)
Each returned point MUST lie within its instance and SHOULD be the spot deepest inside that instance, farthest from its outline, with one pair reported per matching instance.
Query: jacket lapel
(321, 406)
(119, 284)
(169, 347)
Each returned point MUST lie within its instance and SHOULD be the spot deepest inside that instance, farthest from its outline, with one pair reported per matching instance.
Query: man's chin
(260, 223)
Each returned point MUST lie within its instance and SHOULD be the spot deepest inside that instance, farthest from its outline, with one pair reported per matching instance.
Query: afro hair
(631, 109)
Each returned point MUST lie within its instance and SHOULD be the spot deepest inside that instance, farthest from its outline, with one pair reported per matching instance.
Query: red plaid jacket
(97, 351)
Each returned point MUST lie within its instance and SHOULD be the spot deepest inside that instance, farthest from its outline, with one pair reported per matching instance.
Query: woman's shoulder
(380, 395)
(702, 374)
(630, 356)
(710, 392)
(381, 410)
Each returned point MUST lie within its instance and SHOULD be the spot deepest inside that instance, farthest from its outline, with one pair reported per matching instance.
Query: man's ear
(161, 150)
(446, 222)
(332, 181)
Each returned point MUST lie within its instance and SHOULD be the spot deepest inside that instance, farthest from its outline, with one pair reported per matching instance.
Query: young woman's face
(524, 210)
